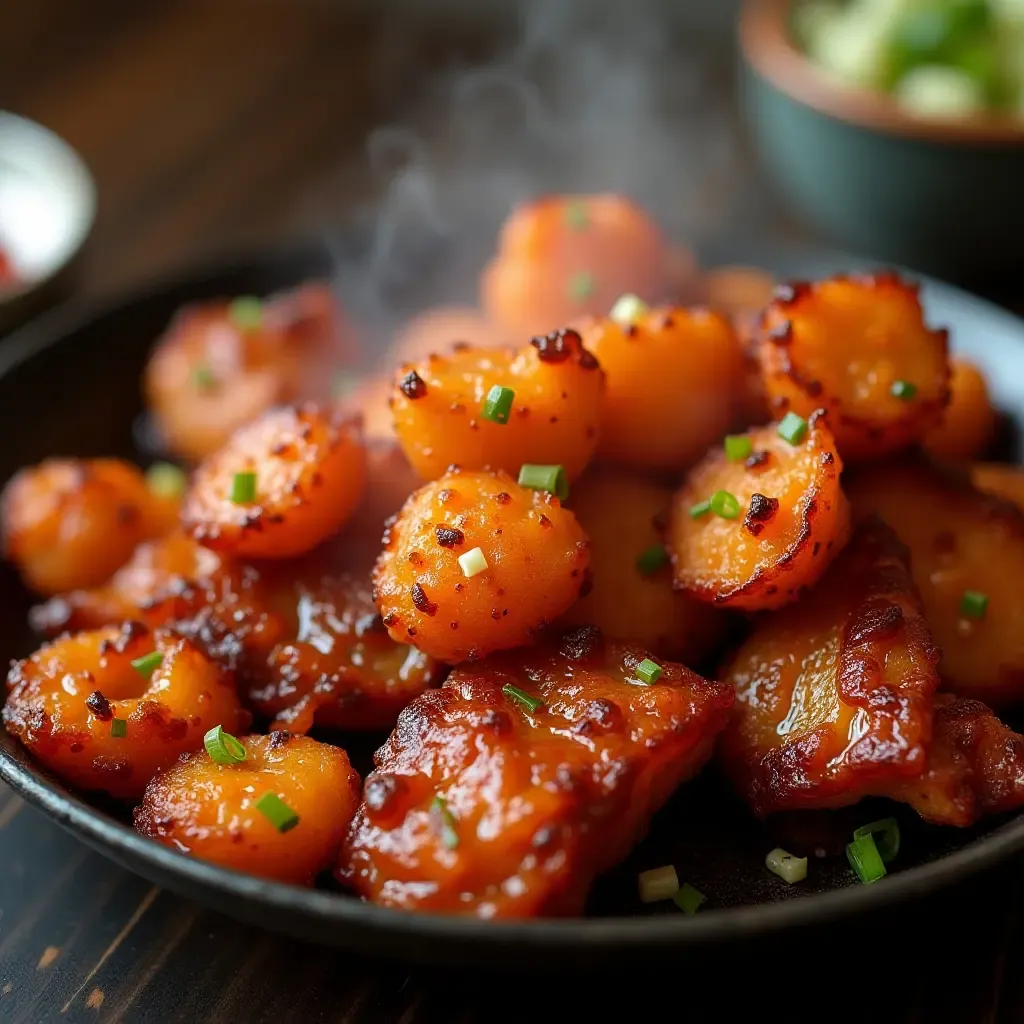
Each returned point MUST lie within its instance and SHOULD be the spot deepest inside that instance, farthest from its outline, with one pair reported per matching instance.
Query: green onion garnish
(148, 663)
(973, 604)
(700, 509)
(118, 728)
(528, 701)
(725, 505)
(581, 286)
(651, 560)
(223, 747)
(628, 309)
(545, 478)
(449, 836)
(246, 313)
(166, 480)
(903, 389)
(243, 488)
(688, 899)
(576, 216)
(738, 447)
(277, 812)
(886, 834)
(792, 428)
(788, 867)
(658, 884)
(648, 671)
(498, 404)
(472, 563)
(203, 378)
(865, 859)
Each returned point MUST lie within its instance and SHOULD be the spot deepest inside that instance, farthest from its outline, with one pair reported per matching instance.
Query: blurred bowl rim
(78, 174)
(768, 47)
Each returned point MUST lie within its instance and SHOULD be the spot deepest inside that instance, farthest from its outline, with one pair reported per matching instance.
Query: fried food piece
(437, 406)
(221, 364)
(834, 694)
(674, 377)
(791, 519)
(65, 698)
(1001, 480)
(70, 523)
(341, 670)
(624, 515)
(536, 558)
(968, 422)
(487, 802)
(858, 347)
(962, 543)
(210, 810)
(310, 475)
(561, 259)
(438, 329)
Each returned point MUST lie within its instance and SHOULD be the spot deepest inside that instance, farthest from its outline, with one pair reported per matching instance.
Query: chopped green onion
(789, 868)
(738, 447)
(576, 216)
(449, 836)
(688, 899)
(581, 286)
(203, 378)
(277, 812)
(648, 671)
(865, 860)
(246, 313)
(528, 701)
(725, 505)
(658, 884)
(243, 488)
(472, 563)
(974, 604)
(886, 834)
(223, 747)
(545, 478)
(498, 404)
(651, 560)
(166, 480)
(628, 309)
(792, 428)
(148, 663)
(702, 508)
(118, 728)
(903, 389)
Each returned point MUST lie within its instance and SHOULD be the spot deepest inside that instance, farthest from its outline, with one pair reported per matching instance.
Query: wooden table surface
(221, 123)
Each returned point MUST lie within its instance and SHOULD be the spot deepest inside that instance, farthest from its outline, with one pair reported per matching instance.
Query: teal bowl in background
(944, 196)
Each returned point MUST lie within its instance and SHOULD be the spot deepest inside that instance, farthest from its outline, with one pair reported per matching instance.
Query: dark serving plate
(69, 384)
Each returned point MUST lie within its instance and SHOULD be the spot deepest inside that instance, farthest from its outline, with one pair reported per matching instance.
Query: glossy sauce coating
(438, 402)
(969, 421)
(310, 469)
(63, 699)
(479, 806)
(207, 810)
(674, 378)
(537, 557)
(71, 523)
(793, 520)
(842, 344)
(1001, 480)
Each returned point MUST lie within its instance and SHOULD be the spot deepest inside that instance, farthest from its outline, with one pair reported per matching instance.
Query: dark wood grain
(213, 124)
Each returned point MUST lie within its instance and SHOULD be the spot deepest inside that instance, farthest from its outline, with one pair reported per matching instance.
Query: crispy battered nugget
(307, 468)
(504, 793)
(781, 519)
(561, 259)
(536, 557)
(1001, 480)
(70, 523)
(221, 364)
(967, 557)
(69, 702)
(674, 379)
(969, 421)
(554, 418)
(834, 694)
(858, 347)
(632, 599)
(211, 811)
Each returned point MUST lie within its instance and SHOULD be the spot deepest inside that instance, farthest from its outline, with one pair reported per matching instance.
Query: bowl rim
(768, 47)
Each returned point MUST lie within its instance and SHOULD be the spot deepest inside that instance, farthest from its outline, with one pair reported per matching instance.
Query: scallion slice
(789, 868)
(792, 428)
(545, 478)
(865, 859)
(148, 663)
(628, 309)
(648, 671)
(658, 884)
(527, 700)
(886, 834)
(449, 836)
(246, 313)
(243, 488)
(166, 480)
(498, 404)
(118, 728)
(472, 563)
(973, 604)
(651, 560)
(223, 747)
(903, 389)
(688, 899)
(277, 812)
(738, 447)
(702, 508)
(725, 505)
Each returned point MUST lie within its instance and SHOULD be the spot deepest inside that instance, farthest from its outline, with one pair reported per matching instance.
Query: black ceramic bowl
(69, 385)
(942, 195)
